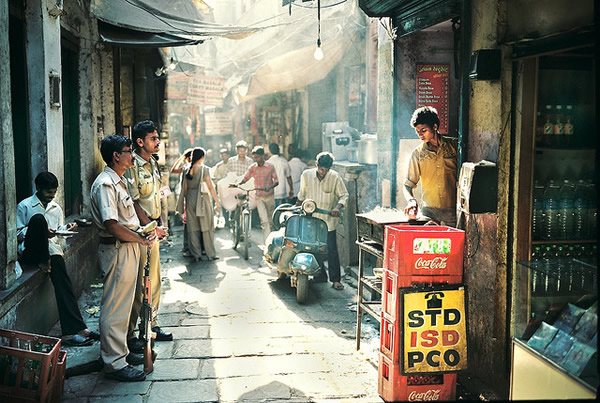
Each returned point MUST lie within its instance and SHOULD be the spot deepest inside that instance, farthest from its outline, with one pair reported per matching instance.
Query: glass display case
(555, 333)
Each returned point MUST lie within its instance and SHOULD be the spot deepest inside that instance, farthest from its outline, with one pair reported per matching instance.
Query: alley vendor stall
(554, 348)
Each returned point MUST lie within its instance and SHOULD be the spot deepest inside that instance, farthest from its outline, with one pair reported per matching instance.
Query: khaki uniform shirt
(326, 193)
(144, 182)
(437, 171)
(111, 201)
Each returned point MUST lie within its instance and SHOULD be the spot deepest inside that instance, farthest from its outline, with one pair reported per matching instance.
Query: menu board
(218, 123)
(432, 90)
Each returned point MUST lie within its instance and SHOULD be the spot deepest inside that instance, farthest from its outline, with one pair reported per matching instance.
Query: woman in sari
(197, 191)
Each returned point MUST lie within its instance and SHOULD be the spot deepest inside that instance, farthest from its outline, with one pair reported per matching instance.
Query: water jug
(592, 211)
(537, 218)
(551, 211)
(580, 211)
(565, 204)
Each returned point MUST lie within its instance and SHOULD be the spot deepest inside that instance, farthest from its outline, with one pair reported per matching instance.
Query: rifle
(146, 313)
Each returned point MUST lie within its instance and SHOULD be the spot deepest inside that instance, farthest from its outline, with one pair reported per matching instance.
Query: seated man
(74, 329)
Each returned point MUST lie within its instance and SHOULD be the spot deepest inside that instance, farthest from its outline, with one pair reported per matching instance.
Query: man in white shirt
(285, 189)
(327, 189)
(74, 329)
(297, 166)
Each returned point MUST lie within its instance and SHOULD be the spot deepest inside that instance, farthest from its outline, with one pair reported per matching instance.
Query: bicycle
(241, 220)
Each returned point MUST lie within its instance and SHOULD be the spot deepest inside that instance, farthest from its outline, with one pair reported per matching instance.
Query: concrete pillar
(142, 112)
(385, 116)
(8, 237)
(45, 121)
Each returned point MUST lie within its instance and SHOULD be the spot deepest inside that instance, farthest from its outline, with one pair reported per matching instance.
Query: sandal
(338, 286)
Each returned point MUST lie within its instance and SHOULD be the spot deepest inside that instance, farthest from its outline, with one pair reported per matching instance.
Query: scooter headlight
(309, 206)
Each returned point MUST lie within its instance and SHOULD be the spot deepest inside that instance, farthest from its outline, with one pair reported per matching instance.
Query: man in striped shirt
(240, 162)
(327, 189)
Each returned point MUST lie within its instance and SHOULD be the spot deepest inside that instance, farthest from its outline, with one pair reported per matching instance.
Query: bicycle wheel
(235, 228)
(246, 232)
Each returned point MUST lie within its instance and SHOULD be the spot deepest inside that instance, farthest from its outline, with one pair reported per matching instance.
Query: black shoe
(126, 374)
(94, 335)
(135, 345)
(135, 359)
(161, 335)
(77, 340)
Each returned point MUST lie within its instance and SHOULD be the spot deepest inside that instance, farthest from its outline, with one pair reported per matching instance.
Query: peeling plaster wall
(385, 102)
(20, 307)
(431, 46)
(485, 252)
(96, 89)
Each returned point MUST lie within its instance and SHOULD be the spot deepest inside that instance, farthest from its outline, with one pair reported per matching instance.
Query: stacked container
(414, 256)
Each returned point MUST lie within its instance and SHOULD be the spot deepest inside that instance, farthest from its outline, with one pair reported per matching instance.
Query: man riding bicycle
(265, 180)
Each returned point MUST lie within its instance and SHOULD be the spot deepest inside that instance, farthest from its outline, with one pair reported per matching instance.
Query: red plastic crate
(424, 254)
(30, 376)
(389, 338)
(392, 386)
(389, 296)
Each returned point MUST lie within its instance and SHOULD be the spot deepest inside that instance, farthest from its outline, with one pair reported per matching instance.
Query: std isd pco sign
(434, 331)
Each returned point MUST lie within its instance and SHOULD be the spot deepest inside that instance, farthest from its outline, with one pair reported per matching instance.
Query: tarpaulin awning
(296, 69)
(160, 23)
(281, 59)
(128, 37)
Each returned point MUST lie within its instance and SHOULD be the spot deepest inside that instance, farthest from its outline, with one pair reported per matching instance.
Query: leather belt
(110, 240)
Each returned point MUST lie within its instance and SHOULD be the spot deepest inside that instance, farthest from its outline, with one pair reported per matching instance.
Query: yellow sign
(435, 331)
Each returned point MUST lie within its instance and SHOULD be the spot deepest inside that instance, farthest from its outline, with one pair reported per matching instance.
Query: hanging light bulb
(172, 65)
(318, 55)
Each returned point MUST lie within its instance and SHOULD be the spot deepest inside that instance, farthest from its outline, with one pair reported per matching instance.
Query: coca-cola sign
(431, 394)
(436, 263)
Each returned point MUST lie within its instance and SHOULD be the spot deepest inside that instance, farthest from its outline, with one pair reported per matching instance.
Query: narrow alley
(239, 335)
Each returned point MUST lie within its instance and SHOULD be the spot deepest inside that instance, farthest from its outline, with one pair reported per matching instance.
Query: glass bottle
(548, 135)
(559, 126)
(569, 129)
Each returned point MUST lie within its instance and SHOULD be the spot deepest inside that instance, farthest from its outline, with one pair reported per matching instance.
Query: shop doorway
(20, 109)
(70, 109)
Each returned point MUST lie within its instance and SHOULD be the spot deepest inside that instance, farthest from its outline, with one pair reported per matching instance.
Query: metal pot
(367, 149)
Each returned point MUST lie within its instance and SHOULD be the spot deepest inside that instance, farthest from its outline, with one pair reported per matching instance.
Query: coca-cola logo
(431, 394)
(431, 264)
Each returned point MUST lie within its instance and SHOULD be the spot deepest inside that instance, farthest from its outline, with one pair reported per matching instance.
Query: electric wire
(319, 6)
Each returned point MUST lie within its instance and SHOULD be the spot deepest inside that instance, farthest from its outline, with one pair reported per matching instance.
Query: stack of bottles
(564, 210)
(555, 127)
(557, 268)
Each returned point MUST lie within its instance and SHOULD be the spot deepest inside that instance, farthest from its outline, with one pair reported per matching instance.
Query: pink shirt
(263, 176)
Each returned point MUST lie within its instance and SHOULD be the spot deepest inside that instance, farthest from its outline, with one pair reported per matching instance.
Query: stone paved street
(240, 336)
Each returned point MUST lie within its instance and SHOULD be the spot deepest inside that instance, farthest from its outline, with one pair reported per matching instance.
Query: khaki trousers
(139, 288)
(119, 264)
(265, 206)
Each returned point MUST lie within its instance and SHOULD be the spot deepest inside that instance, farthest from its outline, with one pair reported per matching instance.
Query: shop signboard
(434, 331)
(218, 123)
(177, 85)
(432, 90)
(205, 90)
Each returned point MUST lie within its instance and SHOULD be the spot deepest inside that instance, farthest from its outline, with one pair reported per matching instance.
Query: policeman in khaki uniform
(118, 254)
(144, 183)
